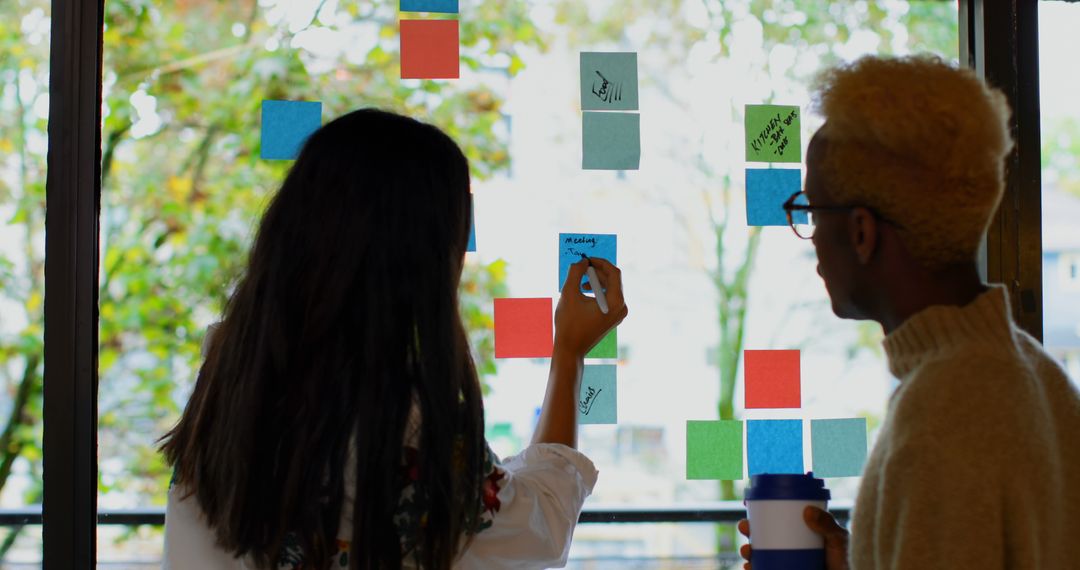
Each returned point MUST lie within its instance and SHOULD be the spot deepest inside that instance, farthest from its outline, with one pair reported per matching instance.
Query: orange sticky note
(772, 379)
(523, 328)
(429, 49)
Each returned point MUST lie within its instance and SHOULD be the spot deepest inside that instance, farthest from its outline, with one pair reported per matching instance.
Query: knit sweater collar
(942, 329)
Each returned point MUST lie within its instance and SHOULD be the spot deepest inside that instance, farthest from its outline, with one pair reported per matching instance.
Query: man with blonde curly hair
(977, 464)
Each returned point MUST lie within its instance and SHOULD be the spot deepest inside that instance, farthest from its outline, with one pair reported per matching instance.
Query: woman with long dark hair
(337, 420)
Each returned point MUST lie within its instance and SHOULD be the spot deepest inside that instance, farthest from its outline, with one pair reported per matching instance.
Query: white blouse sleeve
(189, 542)
(540, 499)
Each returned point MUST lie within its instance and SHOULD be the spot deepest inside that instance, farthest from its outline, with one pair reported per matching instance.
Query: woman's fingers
(611, 278)
(744, 527)
(573, 277)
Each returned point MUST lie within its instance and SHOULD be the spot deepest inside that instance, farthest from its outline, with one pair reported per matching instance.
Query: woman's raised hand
(579, 323)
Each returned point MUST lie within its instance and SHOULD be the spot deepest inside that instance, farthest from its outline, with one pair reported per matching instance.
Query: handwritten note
(714, 450)
(598, 395)
(609, 81)
(286, 125)
(437, 6)
(429, 49)
(774, 446)
(610, 141)
(772, 379)
(572, 246)
(523, 328)
(472, 227)
(772, 133)
(838, 447)
(608, 347)
(766, 191)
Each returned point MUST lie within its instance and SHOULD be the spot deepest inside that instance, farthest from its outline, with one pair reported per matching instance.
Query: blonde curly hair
(922, 143)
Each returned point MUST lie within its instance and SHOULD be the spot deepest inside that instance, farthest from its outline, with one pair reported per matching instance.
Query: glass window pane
(1060, 125)
(24, 113)
(184, 183)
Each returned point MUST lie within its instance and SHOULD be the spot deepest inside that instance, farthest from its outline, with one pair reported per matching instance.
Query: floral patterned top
(411, 515)
(529, 509)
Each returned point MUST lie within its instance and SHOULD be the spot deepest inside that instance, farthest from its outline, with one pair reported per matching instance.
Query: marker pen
(594, 282)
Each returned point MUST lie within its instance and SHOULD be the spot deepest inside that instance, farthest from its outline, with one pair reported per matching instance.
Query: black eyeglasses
(800, 214)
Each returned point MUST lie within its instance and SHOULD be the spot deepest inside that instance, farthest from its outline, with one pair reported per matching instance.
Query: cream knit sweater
(978, 462)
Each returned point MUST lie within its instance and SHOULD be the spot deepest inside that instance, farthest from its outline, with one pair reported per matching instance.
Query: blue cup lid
(786, 487)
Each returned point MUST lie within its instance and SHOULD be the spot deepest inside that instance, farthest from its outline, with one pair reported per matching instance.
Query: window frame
(999, 41)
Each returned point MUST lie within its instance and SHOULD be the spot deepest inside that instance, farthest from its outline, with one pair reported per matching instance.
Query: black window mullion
(73, 191)
(1000, 41)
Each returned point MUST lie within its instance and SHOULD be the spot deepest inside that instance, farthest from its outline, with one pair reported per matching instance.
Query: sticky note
(766, 191)
(472, 227)
(714, 449)
(772, 379)
(609, 81)
(523, 328)
(774, 446)
(286, 125)
(608, 347)
(772, 133)
(598, 397)
(610, 141)
(438, 6)
(838, 447)
(429, 49)
(572, 246)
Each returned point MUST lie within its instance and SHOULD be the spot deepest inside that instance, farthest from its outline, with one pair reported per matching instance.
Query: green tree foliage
(183, 186)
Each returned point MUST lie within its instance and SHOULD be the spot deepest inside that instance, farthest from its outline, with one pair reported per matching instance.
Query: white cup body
(779, 525)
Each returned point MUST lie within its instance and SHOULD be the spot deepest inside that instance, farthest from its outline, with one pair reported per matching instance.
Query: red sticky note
(523, 328)
(772, 379)
(429, 49)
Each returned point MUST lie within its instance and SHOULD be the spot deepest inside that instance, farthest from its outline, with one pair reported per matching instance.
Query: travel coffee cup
(779, 537)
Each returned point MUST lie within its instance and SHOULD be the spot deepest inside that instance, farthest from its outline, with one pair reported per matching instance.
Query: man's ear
(863, 230)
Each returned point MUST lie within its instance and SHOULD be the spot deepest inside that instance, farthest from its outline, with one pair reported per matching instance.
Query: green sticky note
(608, 347)
(772, 133)
(714, 450)
(610, 141)
(838, 447)
(609, 81)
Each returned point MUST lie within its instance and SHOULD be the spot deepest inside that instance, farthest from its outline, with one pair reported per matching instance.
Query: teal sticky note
(437, 6)
(774, 446)
(608, 347)
(838, 447)
(286, 125)
(772, 133)
(609, 81)
(598, 396)
(714, 450)
(766, 191)
(610, 141)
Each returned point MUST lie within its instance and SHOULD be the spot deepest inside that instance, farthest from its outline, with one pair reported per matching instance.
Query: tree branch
(10, 447)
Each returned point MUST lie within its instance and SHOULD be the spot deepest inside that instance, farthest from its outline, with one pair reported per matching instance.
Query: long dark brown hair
(348, 311)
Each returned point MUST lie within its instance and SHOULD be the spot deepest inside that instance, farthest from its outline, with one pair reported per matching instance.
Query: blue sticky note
(839, 447)
(610, 141)
(572, 246)
(774, 446)
(472, 227)
(285, 127)
(439, 6)
(609, 81)
(766, 191)
(598, 397)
